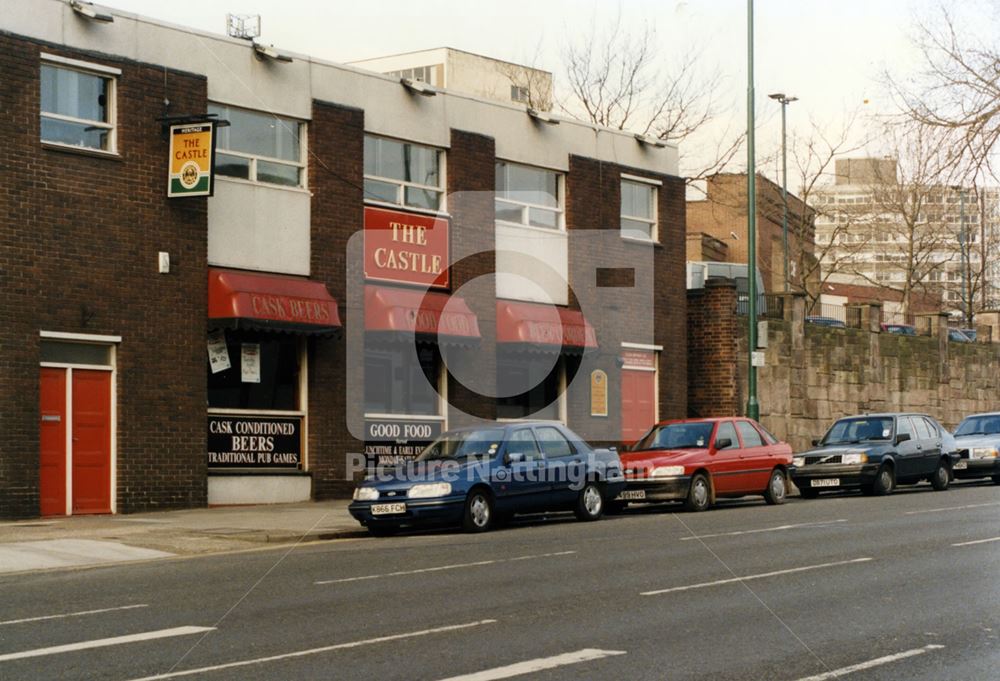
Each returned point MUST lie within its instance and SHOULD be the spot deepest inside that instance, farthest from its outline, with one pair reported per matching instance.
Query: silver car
(978, 442)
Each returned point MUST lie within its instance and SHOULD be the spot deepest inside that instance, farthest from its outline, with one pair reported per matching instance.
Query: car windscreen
(979, 425)
(853, 431)
(463, 444)
(676, 436)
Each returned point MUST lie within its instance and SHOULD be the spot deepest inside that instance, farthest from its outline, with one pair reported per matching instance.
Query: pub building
(186, 329)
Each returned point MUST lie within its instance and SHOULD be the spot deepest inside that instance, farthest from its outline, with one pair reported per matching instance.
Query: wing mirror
(723, 443)
(816, 443)
(513, 457)
(902, 437)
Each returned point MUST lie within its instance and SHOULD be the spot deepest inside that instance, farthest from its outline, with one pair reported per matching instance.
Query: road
(904, 587)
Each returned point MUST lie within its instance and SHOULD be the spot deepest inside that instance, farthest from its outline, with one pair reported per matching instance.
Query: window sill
(408, 209)
(82, 151)
(266, 185)
(255, 412)
(409, 417)
(542, 230)
(643, 242)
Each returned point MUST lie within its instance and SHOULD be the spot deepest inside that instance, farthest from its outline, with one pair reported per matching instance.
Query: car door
(725, 464)
(754, 458)
(564, 467)
(933, 448)
(520, 483)
(909, 454)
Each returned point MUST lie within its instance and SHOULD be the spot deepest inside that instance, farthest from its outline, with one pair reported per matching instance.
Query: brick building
(377, 263)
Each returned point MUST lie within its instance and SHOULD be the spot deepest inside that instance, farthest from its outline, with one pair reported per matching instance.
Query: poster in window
(218, 352)
(250, 362)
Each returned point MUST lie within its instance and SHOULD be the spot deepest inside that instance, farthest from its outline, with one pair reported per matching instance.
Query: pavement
(90, 540)
(902, 587)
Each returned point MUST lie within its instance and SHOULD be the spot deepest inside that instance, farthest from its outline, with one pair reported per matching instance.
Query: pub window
(259, 147)
(529, 196)
(531, 385)
(638, 219)
(403, 174)
(277, 381)
(78, 105)
(397, 382)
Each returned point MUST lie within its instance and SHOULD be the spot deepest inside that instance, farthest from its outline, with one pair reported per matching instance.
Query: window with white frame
(638, 219)
(259, 147)
(529, 196)
(77, 106)
(403, 174)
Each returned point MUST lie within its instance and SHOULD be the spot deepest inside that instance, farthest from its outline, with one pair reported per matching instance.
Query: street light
(785, 101)
(753, 407)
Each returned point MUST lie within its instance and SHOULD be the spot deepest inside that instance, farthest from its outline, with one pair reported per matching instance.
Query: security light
(418, 87)
(650, 140)
(268, 52)
(86, 10)
(543, 116)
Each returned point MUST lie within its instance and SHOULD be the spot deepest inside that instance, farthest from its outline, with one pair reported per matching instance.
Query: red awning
(412, 311)
(543, 325)
(238, 299)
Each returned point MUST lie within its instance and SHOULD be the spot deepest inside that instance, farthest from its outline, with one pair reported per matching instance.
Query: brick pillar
(712, 379)
(935, 324)
(988, 327)
(870, 315)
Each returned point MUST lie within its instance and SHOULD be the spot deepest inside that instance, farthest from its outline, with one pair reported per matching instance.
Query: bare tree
(614, 79)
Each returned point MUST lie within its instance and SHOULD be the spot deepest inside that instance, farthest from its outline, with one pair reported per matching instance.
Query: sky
(829, 54)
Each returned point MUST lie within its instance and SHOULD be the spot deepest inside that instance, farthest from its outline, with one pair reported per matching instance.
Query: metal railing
(769, 306)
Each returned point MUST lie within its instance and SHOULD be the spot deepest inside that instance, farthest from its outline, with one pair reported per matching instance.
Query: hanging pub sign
(192, 158)
(254, 441)
(391, 441)
(406, 248)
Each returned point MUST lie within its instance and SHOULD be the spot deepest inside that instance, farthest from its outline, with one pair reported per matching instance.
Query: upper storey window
(78, 104)
(403, 174)
(260, 147)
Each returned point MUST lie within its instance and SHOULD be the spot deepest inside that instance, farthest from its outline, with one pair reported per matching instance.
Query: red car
(700, 460)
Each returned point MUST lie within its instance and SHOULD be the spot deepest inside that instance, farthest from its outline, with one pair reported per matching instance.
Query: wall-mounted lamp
(418, 87)
(268, 52)
(87, 11)
(543, 116)
(650, 140)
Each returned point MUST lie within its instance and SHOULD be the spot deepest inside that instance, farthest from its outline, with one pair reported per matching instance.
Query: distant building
(460, 71)
(863, 232)
(722, 215)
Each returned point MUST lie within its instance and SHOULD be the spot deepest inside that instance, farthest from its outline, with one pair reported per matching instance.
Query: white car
(978, 442)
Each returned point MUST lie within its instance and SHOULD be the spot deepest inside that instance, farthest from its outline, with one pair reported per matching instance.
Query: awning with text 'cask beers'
(412, 311)
(272, 302)
(547, 325)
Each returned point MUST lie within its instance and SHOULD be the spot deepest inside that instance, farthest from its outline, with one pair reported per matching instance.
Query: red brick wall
(622, 312)
(336, 143)
(80, 236)
(712, 347)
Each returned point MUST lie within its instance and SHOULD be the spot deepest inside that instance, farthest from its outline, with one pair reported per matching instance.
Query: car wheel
(808, 492)
(590, 503)
(941, 477)
(885, 481)
(382, 529)
(699, 496)
(478, 511)
(777, 488)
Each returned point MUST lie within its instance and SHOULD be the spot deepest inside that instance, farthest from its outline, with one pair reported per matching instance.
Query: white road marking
(104, 642)
(778, 528)
(81, 613)
(762, 575)
(29, 523)
(440, 568)
(977, 541)
(314, 651)
(537, 665)
(862, 666)
(952, 508)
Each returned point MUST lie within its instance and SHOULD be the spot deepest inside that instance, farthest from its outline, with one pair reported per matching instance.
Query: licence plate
(631, 495)
(961, 465)
(826, 482)
(388, 509)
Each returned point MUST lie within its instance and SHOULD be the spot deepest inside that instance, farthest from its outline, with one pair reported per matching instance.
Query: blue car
(474, 477)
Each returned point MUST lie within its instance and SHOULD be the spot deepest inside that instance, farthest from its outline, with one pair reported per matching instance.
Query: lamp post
(753, 407)
(785, 101)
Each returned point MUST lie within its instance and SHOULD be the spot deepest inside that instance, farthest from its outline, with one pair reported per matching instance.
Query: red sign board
(406, 248)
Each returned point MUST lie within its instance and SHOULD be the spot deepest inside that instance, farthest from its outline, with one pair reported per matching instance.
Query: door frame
(655, 350)
(111, 342)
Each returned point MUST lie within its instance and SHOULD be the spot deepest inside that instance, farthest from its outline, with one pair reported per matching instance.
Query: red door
(91, 441)
(638, 403)
(52, 434)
